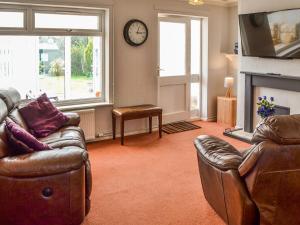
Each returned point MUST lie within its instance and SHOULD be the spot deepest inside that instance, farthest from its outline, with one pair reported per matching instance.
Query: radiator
(87, 123)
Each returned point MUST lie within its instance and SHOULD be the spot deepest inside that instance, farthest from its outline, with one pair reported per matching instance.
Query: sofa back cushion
(16, 116)
(284, 130)
(42, 117)
(3, 111)
(11, 97)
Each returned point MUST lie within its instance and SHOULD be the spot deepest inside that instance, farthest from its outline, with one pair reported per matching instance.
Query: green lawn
(81, 86)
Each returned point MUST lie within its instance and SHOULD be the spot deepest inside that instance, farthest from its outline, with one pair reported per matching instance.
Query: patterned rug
(178, 127)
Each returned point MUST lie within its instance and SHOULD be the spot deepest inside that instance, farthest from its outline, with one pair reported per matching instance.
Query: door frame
(176, 80)
(188, 78)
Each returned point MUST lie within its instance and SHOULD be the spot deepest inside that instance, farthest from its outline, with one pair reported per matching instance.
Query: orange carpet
(151, 181)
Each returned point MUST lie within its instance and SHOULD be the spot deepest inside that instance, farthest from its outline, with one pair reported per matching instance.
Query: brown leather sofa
(43, 188)
(260, 185)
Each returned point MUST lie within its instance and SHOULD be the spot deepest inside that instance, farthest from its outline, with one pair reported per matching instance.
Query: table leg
(150, 124)
(114, 126)
(160, 124)
(122, 131)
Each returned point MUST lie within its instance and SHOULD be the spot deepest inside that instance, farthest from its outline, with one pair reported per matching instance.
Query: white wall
(286, 67)
(233, 60)
(135, 76)
(233, 27)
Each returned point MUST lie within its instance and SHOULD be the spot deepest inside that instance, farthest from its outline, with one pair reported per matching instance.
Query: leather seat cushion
(135, 110)
(218, 153)
(65, 137)
(43, 163)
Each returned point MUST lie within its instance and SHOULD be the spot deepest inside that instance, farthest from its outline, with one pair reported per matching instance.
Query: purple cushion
(42, 117)
(22, 141)
(16, 146)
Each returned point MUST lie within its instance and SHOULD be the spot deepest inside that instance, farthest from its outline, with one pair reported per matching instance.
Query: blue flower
(266, 108)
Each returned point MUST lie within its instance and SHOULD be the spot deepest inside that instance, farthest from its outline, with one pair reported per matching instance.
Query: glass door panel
(195, 67)
(172, 49)
(195, 46)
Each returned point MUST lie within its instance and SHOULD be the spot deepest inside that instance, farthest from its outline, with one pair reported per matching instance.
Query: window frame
(104, 27)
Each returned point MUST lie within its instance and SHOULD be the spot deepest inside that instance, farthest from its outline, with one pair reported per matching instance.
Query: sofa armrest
(218, 153)
(43, 163)
(74, 119)
(251, 160)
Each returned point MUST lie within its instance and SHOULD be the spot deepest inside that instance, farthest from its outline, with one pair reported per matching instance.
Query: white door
(175, 78)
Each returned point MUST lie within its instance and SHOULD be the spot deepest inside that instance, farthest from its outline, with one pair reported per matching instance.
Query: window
(66, 21)
(61, 53)
(11, 19)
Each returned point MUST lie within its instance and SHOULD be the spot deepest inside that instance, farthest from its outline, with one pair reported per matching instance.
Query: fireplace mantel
(252, 80)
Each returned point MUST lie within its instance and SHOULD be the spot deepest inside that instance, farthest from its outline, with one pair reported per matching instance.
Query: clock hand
(138, 30)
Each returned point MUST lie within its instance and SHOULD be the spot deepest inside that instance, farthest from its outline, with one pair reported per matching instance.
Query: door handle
(159, 69)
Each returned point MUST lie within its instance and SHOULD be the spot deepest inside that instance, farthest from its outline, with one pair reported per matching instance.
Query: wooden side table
(227, 111)
(136, 112)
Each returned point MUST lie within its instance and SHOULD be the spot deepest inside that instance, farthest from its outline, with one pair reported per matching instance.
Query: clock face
(135, 32)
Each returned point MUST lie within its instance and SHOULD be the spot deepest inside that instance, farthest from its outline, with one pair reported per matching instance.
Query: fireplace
(281, 110)
(275, 81)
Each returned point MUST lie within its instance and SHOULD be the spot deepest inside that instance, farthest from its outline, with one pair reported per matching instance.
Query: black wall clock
(135, 32)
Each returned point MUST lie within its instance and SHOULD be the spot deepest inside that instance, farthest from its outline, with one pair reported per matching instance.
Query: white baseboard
(209, 119)
(109, 136)
(194, 119)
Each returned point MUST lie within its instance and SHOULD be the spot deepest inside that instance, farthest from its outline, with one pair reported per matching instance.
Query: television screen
(271, 34)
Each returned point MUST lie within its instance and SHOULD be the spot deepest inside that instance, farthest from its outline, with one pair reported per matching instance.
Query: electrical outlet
(100, 135)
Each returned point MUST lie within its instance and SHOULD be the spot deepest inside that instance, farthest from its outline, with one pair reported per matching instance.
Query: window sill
(84, 106)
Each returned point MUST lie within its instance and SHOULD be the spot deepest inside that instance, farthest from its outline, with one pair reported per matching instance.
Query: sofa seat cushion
(64, 137)
(45, 163)
(218, 153)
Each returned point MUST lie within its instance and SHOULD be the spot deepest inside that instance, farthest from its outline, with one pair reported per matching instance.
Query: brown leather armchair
(43, 188)
(260, 185)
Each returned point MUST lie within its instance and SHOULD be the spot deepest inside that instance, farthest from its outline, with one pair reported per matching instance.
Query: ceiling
(219, 2)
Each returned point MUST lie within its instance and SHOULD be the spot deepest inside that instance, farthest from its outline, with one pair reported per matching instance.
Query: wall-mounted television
(271, 34)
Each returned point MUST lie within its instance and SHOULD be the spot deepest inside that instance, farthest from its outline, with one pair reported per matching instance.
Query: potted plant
(266, 107)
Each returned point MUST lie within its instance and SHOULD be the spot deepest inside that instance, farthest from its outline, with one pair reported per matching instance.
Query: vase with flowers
(266, 107)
